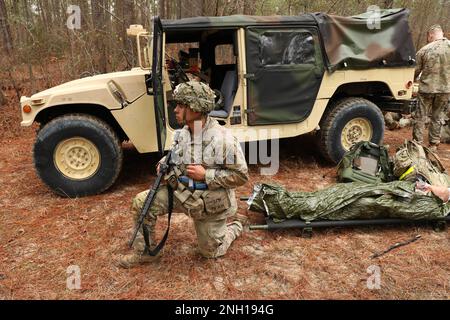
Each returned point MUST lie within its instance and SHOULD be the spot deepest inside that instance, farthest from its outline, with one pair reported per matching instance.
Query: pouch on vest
(365, 162)
(216, 201)
(190, 201)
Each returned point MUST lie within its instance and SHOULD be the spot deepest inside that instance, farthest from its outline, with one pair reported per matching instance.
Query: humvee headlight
(26, 108)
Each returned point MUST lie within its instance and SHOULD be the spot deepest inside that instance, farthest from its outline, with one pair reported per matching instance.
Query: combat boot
(134, 259)
(236, 227)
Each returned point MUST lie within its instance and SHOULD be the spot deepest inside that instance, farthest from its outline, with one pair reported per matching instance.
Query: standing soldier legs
(421, 116)
(440, 102)
(430, 105)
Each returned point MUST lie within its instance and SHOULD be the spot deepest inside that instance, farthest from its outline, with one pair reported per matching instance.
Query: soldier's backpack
(413, 162)
(366, 162)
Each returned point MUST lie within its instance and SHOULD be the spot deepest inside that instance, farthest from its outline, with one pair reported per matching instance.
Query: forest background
(39, 51)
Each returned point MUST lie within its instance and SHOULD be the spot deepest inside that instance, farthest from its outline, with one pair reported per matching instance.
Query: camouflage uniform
(221, 155)
(445, 131)
(433, 61)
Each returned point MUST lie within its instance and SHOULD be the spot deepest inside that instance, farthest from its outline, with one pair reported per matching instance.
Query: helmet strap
(184, 116)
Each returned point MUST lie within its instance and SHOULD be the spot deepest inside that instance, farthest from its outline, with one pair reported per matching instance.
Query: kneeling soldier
(208, 166)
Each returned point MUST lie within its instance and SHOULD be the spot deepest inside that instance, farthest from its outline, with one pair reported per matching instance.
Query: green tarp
(348, 201)
(370, 40)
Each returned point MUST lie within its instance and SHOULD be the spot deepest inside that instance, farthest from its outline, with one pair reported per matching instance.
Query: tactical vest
(198, 203)
(365, 162)
(413, 162)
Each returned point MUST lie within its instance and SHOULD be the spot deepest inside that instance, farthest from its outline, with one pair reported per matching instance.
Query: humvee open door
(155, 80)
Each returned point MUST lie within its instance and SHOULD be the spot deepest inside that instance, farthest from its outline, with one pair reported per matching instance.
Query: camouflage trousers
(445, 132)
(432, 106)
(214, 235)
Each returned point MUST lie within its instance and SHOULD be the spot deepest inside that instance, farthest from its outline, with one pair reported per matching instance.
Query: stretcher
(307, 227)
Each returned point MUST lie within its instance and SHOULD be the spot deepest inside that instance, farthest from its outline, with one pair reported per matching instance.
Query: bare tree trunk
(30, 72)
(388, 4)
(249, 7)
(162, 9)
(128, 12)
(99, 24)
(124, 10)
(14, 26)
(179, 16)
(28, 40)
(5, 29)
(2, 96)
(216, 11)
(169, 10)
(424, 21)
(191, 8)
(14, 83)
(56, 11)
(128, 44)
(46, 14)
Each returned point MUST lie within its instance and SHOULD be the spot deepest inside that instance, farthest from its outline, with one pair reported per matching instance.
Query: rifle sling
(161, 244)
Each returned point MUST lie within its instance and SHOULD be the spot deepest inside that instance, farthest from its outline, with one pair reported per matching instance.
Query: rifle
(164, 168)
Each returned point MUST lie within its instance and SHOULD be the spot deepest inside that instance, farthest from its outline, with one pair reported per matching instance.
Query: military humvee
(298, 74)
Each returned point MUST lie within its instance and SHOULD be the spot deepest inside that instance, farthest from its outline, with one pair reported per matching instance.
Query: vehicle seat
(228, 90)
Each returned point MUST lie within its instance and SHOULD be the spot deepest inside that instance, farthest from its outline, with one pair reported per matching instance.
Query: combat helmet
(434, 27)
(196, 95)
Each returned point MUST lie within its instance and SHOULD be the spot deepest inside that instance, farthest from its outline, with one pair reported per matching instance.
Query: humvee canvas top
(369, 40)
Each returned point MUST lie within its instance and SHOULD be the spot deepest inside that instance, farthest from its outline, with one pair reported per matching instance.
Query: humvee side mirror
(138, 31)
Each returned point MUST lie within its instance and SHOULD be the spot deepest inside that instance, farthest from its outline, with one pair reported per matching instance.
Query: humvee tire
(349, 121)
(77, 155)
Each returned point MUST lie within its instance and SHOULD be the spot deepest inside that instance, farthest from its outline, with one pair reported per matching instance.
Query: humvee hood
(90, 82)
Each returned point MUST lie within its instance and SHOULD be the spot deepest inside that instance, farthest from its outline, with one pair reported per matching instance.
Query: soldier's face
(184, 113)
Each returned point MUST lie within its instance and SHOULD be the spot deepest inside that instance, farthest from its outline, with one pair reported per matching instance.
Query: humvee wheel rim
(77, 158)
(358, 129)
